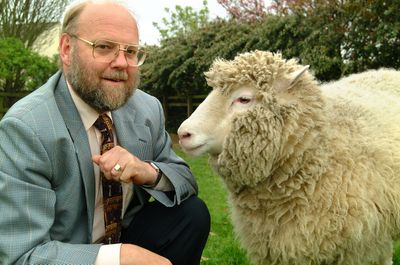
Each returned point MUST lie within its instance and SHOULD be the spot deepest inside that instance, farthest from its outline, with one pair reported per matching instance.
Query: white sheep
(313, 171)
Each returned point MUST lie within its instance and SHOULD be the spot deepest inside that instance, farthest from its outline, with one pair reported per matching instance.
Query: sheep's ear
(291, 79)
(297, 74)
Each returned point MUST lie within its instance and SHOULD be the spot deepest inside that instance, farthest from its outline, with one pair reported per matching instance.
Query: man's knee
(197, 211)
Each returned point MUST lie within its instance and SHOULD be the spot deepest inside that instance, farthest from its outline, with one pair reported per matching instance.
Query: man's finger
(96, 159)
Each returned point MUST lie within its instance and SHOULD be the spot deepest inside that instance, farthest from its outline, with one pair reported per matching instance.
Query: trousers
(178, 233)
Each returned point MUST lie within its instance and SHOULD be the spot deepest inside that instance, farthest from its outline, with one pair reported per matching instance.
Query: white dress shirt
(108, 254)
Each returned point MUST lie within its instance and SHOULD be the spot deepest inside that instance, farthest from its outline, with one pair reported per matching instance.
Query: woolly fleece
(313, 172)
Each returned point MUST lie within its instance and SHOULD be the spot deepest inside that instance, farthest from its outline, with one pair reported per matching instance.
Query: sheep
(312, 170)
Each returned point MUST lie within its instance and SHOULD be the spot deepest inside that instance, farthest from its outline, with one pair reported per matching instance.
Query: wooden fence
(188, 102)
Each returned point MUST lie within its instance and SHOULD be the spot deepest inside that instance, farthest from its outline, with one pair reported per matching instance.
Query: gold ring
(117, 167)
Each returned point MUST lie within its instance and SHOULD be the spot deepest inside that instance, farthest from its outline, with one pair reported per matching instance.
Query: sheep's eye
(243, 100)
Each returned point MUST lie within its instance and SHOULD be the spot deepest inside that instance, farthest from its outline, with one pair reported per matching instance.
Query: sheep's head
(244, 116)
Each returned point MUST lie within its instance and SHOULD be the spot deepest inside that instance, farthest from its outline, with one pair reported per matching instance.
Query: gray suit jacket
(47, 187)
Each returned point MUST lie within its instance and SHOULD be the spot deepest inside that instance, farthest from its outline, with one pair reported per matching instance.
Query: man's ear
(65, 49)
(283, 84)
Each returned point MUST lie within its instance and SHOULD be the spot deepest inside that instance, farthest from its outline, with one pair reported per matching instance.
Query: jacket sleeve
(172, 166)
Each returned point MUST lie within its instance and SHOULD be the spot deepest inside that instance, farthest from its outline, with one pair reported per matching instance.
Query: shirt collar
(88, 114)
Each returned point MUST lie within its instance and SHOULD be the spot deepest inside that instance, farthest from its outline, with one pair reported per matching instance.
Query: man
(88, 148)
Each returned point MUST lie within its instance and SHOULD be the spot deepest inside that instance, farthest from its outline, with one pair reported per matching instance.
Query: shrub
(22, 69)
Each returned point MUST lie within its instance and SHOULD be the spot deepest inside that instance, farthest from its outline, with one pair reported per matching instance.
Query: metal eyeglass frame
(125, 49)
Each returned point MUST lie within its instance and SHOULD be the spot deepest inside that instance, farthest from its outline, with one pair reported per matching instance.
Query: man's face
(105, 86)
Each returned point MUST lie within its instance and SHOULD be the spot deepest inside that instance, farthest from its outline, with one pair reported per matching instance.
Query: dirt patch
(174, 138)
(175, 141)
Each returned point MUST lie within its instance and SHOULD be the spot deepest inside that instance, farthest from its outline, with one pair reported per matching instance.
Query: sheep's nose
(184, 135)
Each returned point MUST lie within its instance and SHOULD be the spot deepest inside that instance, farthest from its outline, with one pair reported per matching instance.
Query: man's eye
(104, 46)
(131, 51)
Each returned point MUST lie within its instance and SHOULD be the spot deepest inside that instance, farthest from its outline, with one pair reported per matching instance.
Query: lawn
(222, 248)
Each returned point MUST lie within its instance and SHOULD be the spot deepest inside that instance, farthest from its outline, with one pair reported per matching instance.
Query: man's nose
(120, 59)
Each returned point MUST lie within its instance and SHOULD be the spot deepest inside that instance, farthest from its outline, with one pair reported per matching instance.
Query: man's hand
(132, 168)
(135, 255)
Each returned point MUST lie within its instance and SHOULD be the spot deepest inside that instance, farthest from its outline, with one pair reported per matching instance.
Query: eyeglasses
(106, 51)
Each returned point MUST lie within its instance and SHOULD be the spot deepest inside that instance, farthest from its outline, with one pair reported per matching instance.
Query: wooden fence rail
(168, 102)
(189, 102)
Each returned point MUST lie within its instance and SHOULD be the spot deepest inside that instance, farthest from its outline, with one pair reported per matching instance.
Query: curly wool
(259, 69)
(313, 173)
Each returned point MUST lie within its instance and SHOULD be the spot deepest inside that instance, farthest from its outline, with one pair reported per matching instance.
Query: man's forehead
(106, 13)
(101, 21)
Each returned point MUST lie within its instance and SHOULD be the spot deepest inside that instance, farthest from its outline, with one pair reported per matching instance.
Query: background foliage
(21, 23)
(334, 37)
(182, 20)
(27, 19)
(21, 69)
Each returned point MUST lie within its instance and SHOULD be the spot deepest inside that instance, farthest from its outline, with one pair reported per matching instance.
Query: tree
(22, 68)
(177, 66)
(351, 36)
(334, 37)
(27, 19)
(182, 20)
(372, 37)
(303, 7)
(249, 10)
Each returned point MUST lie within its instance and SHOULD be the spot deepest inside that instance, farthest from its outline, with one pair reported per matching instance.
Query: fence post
(165, 107)
(189, 101)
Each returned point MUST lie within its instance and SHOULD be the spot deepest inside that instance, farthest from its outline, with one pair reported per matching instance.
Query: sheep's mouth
(193, 150)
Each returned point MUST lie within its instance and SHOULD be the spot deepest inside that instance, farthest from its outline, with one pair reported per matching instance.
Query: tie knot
(104, 125)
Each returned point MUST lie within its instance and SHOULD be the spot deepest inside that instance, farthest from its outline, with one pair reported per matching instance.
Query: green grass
(396, 256)
(222, 247)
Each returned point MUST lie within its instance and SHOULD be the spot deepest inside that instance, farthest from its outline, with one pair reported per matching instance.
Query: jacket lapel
(128, 130)
(81, 143)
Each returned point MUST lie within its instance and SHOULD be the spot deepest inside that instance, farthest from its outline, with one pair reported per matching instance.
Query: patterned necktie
(112, 190)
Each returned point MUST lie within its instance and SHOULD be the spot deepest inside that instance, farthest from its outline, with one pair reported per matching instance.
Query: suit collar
(132, 131)
(124, 120)
(80, 140)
